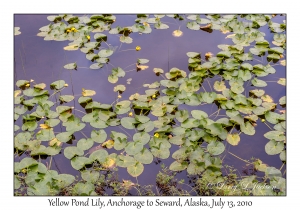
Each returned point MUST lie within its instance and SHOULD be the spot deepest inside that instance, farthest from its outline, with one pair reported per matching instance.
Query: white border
(153, 6)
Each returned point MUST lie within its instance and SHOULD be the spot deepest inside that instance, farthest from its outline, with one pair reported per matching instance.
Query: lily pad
(70, 66)
(274, 147)
(178, 166)
(136, 169)
(144, 156)
(233, 139)
(72, 151)
(215, 148)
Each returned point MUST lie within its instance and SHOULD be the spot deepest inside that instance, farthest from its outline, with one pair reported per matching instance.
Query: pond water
(43, 61)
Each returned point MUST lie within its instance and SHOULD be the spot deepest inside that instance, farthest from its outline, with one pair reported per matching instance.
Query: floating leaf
(144, 156)
(128, 122)
(283, 155)
(275, 135)
(158, 71)
(125, 161)
(282, 100)
(71, 47)
(105, 53)
(85, 144)
(58, 84)
(247, 128)
(133, 148)
(233, 139)
(136, 169)
(125, 39)
(282, 81)
(17, 31)
(119, 88)
(79, 162)
(96, 66)
(88, 92)
(142, 61)
(215, 148)
(178, 166)
(70, 66)
(100, 155)
(198, 114)
(66, 98)
(72, 151)
(90, 176)
(219, 86)
(98, 136)
(274, 147)
(258, 83)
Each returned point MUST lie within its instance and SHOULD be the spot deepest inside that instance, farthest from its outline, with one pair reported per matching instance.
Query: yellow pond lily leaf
(71, 47)
(267, 98)
(88, 92)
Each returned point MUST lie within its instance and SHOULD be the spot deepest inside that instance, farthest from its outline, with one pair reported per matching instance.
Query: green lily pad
(198, 114)
(142, 137)
(178, 166)
(125, 39)
(70, 66)
(136, 169)
(45, 135)
(182, 115)
(258, 83)
(99, 155)
(215, 148)
(119, 88)
(96, 66)
(90, 176)
(144, 156)
(125, 161)
(22, 83)
(274, 147)
(248, 128)
(272, 172)
(208, 97)
(217, 130)
(72, 151)
(196, 168)
(98, 136)
(282, 81)
(105, 53)
(64, 136)
(85, 144)
(275, 135)
(128, 122)
(83, 189)
(133, 148)
(66, 98)
(282, 100)
(283, 155)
